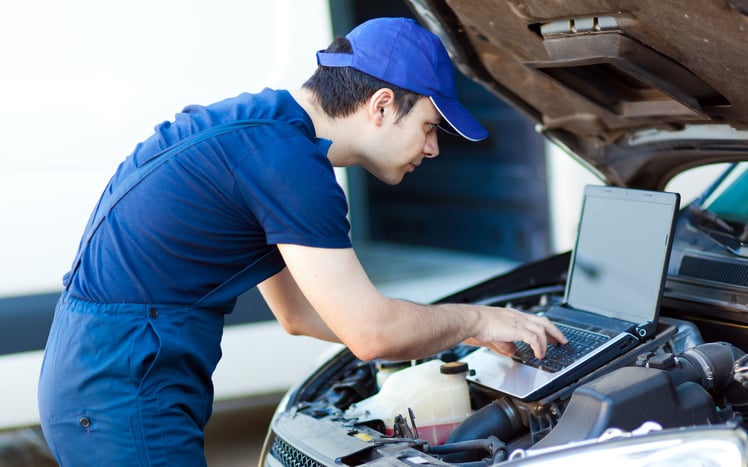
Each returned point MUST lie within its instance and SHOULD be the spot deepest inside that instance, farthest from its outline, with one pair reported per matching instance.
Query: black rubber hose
(712, 364)
(499, 418)
(455, 453)
(717, 367)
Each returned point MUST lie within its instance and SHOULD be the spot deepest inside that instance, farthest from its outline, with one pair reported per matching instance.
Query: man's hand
(503, 326)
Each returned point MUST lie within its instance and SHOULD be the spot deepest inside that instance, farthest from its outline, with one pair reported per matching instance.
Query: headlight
(703, 447)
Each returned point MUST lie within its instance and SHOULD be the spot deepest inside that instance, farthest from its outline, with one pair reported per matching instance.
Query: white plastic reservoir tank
(435, 391)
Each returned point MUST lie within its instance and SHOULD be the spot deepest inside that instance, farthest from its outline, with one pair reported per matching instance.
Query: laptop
(613, 291)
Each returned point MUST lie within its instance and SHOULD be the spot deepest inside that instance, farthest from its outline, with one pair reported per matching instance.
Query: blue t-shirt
(215, 207)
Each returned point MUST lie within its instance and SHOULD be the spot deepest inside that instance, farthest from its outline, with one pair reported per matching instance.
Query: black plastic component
(663, 361)
(497, 420)
(710, 365)
(625, 399)
(453, 368)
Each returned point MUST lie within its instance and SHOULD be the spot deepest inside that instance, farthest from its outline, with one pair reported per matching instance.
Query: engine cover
(625, 399)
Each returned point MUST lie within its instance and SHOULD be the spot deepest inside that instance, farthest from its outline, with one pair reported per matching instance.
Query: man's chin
(390, 180)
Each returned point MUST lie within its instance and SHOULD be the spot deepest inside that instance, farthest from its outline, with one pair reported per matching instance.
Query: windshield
(729, 199)
(723, 211)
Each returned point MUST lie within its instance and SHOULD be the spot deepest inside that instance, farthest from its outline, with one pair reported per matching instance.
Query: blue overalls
(130, 384)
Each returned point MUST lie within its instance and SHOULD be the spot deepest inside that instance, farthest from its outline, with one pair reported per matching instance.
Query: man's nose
(431, 148)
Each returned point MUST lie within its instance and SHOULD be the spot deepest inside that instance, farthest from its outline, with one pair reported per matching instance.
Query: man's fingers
(537, 343)
(552, 334)
(555, 335)
(534, 334)
(504, 348)
(536, 331)
(541, 333)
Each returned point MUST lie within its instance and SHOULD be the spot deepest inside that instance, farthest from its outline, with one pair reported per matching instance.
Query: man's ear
(381, 103)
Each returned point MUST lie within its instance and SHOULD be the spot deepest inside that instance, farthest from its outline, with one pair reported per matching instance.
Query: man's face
(404, 143)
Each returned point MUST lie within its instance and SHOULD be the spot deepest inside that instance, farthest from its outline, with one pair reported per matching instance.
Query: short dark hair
(341, 90)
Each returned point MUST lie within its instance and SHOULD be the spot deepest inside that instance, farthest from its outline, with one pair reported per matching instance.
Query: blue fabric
(128, 384)
(252, 274)
(220, 205)
(126, 381)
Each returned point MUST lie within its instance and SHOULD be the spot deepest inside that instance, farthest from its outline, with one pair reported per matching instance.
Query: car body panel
(600, 76)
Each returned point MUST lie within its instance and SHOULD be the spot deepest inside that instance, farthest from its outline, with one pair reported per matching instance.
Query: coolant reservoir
(437, 392)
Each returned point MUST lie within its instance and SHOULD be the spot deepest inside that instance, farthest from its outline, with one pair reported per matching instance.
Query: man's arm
(292, 309)
(335, 288)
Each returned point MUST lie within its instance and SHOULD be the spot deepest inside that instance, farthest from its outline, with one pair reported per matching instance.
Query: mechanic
(243, 193)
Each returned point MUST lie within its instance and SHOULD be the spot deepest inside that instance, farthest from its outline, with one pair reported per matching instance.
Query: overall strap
(140, 173)
(265, 266)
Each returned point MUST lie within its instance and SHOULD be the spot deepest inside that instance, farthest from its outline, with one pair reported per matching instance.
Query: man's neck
(337, 130)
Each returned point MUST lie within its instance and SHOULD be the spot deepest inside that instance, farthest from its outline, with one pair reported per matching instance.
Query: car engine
(675, 380)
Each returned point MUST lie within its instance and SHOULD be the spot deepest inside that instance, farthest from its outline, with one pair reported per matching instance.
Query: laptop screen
(620, 258)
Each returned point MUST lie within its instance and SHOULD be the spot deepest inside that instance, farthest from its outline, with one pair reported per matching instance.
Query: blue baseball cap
(401, 52)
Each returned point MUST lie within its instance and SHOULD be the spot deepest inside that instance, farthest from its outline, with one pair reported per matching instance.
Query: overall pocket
(90, 438)
(87, 398)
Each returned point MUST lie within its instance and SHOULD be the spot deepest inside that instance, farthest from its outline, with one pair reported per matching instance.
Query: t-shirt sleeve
(290, 187)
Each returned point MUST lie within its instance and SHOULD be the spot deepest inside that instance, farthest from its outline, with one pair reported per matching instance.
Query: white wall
(84, 80)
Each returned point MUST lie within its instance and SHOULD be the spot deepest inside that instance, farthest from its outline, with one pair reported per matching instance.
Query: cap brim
(458, 120)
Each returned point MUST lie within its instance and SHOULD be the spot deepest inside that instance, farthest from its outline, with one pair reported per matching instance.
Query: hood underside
(601, 76)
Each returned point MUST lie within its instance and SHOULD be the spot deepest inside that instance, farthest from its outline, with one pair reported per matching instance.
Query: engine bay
(675, 379)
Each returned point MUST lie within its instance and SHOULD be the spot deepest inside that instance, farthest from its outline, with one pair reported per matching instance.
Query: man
(237, 194)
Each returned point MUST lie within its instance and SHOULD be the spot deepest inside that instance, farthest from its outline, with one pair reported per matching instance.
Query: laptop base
(487, 365)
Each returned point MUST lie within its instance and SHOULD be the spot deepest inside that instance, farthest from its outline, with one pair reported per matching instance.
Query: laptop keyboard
(558, 357)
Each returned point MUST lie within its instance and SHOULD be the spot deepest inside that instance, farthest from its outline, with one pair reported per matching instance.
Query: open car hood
(640, 90)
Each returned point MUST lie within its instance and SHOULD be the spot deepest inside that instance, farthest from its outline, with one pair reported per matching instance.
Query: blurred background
(84, 81)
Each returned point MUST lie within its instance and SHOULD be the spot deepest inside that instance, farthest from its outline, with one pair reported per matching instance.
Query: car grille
(289, 456)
